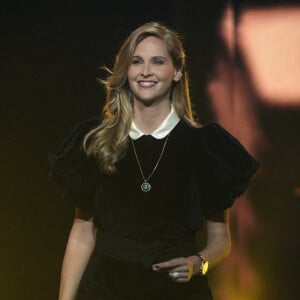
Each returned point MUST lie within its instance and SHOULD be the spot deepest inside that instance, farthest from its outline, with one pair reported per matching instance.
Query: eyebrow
(153, 57)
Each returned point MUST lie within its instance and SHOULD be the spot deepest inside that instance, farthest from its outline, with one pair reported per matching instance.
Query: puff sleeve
(229, 168)
(73, 170)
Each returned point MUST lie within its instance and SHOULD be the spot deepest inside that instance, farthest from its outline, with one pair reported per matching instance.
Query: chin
(150, 100)
(146, 102)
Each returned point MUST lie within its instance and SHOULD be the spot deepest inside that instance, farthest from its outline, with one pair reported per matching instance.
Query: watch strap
(204, 264)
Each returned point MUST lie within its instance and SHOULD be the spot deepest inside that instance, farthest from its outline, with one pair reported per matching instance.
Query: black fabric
(201, 172)
(70, 167)
(228, 166)
(110, 279)
(144, 254)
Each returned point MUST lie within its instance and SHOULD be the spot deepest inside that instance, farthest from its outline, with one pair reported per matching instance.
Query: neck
(148, 118)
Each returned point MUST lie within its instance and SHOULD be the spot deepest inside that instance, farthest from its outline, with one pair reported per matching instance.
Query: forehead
(152, 46)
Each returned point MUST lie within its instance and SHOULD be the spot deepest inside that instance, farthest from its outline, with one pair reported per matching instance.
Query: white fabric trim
(163, 129)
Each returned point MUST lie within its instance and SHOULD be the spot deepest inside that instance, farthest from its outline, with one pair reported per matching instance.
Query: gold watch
(204, 264)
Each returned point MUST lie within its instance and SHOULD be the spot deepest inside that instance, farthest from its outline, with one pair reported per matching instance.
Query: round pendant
(146, 186)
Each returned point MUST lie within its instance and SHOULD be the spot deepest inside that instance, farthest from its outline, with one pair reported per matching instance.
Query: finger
(181, 280)
(187, 267)
(169, 264)
(182, 268)
(181, 276)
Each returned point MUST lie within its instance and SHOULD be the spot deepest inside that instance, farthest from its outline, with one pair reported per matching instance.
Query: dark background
(50, 58)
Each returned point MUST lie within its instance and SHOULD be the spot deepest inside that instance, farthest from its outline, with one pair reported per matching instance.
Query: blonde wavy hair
(108, 142)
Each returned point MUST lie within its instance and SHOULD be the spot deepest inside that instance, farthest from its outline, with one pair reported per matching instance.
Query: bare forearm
(217, 249)
(79, 249)
(218, 238)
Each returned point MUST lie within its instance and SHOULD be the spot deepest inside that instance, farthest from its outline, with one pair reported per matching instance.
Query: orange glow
(233, 103)
(270, 43)
(227, 29)
(297, 192)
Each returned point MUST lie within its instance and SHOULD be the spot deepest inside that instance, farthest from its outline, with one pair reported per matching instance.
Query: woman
(145, 179)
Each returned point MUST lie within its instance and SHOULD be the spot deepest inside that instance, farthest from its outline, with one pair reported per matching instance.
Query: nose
(146, 70)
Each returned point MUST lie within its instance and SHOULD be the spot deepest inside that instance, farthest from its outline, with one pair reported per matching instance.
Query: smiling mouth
(147, 84)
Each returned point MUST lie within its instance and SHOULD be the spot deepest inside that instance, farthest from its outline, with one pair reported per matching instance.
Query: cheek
(130, 78)
(167, 75)
(132, 72)
(129, 74)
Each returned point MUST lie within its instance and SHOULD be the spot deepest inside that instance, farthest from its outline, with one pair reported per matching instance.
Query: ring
(175, 275)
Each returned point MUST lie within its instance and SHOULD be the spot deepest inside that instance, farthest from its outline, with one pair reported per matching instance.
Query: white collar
(163, 129)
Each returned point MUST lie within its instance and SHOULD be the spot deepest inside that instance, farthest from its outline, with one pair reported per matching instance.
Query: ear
(178, 75)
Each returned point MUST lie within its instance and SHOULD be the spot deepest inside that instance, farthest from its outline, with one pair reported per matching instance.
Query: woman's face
(151, 72)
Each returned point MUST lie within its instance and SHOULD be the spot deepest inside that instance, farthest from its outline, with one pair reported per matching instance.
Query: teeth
(147, 83)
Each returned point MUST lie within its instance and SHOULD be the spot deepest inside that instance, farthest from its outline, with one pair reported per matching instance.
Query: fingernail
(155, 267)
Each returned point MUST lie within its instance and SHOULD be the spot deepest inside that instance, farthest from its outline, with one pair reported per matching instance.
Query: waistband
(144, 254)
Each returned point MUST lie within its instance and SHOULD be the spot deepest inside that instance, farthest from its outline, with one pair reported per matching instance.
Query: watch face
(204, 267)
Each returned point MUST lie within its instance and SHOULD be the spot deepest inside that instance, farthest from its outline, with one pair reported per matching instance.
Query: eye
(136, 61)
(158, 61)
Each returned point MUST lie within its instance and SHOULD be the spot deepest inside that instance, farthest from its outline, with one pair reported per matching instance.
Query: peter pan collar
(163, 129)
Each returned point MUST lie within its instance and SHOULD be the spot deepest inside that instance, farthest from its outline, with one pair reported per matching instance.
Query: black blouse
(201, 172)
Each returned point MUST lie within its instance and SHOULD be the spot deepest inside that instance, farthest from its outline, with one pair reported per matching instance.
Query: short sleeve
(73, 170)
(228, 168)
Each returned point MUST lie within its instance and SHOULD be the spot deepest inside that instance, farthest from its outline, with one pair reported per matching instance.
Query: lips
(147, 83)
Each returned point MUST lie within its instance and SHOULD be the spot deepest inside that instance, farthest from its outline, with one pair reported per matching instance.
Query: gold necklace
(146, 186)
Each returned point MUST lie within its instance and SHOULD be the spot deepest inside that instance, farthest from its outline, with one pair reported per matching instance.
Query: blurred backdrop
(244, 63)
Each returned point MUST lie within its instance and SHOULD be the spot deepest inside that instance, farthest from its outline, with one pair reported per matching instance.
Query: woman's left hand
(180, 269)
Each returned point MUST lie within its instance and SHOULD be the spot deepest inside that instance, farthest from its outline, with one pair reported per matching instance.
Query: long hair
(109, 141)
